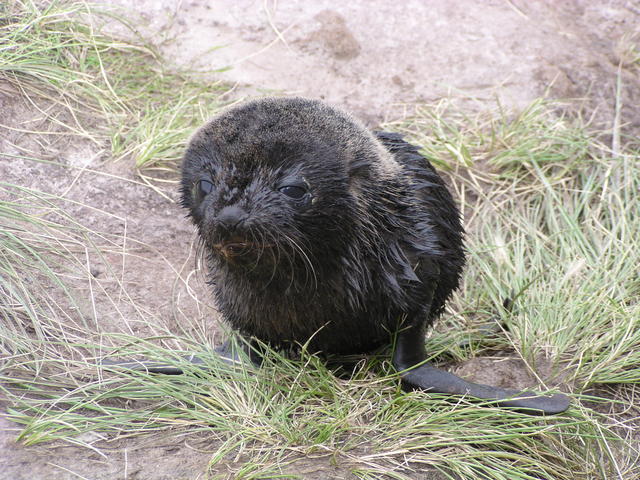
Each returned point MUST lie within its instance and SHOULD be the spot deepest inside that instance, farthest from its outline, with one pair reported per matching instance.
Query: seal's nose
(230, 216)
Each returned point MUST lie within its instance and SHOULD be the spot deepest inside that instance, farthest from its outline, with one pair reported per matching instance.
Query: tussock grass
(113, 91)
(553, 219)
(554, 229)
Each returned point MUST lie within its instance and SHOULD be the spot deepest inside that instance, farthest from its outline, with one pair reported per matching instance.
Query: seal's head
(279, 180)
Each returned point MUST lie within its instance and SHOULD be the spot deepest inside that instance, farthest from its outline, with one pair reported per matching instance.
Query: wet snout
(233, 237)
(230, 217)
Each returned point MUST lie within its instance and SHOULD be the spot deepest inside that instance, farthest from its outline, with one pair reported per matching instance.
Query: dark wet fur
(340, 272)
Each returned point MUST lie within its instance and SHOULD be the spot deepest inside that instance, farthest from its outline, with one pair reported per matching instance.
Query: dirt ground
(372, 57)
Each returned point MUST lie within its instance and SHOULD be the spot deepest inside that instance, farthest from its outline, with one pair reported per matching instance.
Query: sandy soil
(371, 57)
(368, 56)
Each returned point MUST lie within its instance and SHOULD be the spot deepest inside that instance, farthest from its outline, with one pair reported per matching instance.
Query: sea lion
(321, 233)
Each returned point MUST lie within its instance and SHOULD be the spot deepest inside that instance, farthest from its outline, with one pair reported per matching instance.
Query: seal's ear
(359, 168)
(372, 161)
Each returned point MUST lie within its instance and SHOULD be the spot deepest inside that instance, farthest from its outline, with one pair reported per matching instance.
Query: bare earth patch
(368, 56)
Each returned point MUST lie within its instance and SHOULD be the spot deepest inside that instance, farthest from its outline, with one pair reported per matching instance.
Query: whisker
(306, 259)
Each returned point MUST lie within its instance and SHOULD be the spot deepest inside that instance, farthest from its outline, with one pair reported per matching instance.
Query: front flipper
(237, 351)
(234, 352)
(410, 357)
(431, 379)
(149, 366)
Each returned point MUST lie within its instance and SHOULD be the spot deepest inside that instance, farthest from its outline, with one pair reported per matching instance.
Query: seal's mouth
(236, 248)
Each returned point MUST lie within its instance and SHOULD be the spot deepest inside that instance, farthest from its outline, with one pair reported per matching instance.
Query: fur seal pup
(318, 232)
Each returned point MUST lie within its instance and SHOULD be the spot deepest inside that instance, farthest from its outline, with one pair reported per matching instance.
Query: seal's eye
(204, 187)
(293, 191)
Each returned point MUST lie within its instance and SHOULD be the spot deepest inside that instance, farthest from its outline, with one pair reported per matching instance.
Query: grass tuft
(114, 91)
